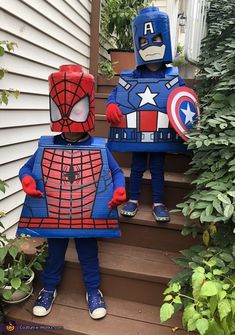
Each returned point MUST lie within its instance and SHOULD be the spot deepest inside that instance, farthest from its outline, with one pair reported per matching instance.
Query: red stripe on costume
(67, 223)
(148, 120)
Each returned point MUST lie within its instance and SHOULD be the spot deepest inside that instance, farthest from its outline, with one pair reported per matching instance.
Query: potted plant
(17, 267)
(116, 17)
(106, 68)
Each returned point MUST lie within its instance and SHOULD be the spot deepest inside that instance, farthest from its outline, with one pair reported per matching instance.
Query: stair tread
(144, 217)
(132, 262)
(70, 311)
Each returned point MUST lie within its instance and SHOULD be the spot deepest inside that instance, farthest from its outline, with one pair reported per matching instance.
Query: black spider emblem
(70, 174)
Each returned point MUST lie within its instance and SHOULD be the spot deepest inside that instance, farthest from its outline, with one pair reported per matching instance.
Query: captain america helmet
(71, 99)
(151, 34)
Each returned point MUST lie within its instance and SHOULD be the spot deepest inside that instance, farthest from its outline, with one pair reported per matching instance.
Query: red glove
(113, 114)
(119, 196)
(30, 187)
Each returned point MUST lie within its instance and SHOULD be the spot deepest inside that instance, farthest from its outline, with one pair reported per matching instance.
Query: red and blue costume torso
(142, 97)
(77, 185)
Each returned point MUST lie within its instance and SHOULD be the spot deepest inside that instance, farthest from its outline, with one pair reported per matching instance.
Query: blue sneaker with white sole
(96, 304)
(129, 209)
(44, 302)
(160, 213)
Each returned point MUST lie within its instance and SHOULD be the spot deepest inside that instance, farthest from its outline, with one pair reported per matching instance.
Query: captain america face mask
(151, 32)
(153, 50)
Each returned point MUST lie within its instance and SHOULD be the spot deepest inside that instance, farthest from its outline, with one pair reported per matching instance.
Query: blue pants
(87, 251)
(140, 162)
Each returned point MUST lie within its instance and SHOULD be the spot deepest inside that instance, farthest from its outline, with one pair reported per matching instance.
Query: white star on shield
(188, 114)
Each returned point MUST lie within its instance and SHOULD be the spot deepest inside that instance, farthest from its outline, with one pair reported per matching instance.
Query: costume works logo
(10, 326)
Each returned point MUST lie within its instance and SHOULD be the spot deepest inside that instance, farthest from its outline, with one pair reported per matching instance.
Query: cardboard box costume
(75, 179)
(157, 112)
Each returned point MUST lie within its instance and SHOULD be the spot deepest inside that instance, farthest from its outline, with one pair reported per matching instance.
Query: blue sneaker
(161, 213)
(44, 302)
(96, 304)
(129, 209)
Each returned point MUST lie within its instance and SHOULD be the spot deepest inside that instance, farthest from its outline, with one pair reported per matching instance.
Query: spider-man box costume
(77, 179)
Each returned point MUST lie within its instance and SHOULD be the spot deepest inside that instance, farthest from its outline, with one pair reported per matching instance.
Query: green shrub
(205, 288)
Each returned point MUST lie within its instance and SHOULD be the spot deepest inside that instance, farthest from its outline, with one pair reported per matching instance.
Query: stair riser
(173, 162)
(116, 285)
(153, 237)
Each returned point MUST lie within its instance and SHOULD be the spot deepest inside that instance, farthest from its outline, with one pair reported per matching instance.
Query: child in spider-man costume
(136, 108)
(73, 186)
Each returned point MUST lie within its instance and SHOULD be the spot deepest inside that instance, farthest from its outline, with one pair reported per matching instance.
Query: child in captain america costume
(137, 109)
(73, 186)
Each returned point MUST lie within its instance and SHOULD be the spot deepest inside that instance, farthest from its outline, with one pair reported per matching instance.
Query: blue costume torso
(77, 186)
(145, 124)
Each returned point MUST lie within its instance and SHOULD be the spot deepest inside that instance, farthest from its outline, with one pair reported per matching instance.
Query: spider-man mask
(71, 100)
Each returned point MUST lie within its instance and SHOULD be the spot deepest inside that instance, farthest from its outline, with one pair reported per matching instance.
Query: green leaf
(13, 251)
(3, 253)
(168, 297)
(214, 328)
(209, 209)
(224, 308)
(226, 257)
(191, 326)
(177, 300)
(202, 325)
(2, 51)
(2, 275)
(219, 97)
(231, 193)
(228, 210)
(166, 312)
(25, 288)
(224, 198)
(7, 294)
(197, 280)
(217, 206)
(217, 272)
(208, 289)
(213, 302)
(15, 283)
(175, 287)
(222, 294)
(37, 266)
(195, 215)
(226, 286)
(188, 313)
(231, 100)
(217, 66)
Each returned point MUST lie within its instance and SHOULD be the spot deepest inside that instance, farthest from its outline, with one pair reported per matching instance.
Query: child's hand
(119, 196)
(30, 187)
(113, 114)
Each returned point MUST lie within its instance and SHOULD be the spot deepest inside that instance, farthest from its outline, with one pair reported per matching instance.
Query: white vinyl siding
(48, 33)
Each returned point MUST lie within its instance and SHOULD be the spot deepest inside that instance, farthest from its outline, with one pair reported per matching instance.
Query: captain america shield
(182, 110)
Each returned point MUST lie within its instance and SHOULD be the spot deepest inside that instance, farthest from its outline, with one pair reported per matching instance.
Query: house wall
(171, 7)
(48, 33)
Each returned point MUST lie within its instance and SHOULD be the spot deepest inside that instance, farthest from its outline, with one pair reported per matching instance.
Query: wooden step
(128, 272)
(176, 187)
(70, 312)
(143, 231)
